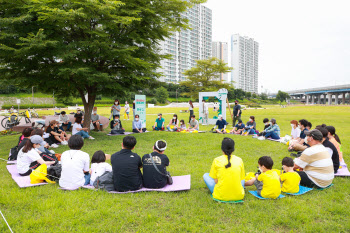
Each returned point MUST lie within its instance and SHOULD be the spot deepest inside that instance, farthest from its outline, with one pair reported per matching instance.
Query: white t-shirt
(127, 108)
(97, 169)
(25, 159)
(75, 127)
(190, 108)
(74, 163)
(295, 133)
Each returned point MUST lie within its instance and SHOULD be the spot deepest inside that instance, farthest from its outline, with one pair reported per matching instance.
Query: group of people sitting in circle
(175, 125)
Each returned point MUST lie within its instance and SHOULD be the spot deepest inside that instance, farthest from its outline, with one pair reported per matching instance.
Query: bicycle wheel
(8, 125)
(27, 120)
(4, 122)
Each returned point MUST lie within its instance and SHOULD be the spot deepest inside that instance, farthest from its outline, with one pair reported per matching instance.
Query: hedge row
(25, 106)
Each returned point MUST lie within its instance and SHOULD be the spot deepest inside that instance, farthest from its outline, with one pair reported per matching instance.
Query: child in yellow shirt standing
(290, 179)
(268, 182)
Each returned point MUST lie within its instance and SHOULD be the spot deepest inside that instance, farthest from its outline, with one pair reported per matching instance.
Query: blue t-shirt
(242, 126)
(302, 133)
(221, 124)
(160, 122)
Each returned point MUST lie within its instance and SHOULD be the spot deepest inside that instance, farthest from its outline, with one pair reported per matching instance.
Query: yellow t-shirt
(290, 181)
(271, 184)
(229, 187)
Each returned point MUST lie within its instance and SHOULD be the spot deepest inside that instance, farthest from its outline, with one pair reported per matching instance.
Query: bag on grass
(39, 175)
(105, 181)
(54, 172)
(13, 153)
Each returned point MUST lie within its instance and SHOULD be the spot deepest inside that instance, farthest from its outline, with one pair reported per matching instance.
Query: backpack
(13, 153)
(54, 172)
(105, 181)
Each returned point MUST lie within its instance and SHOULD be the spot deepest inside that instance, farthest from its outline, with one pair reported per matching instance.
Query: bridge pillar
(307, 99)
(319, 99)
(329, 98)
(336, 98)
(343, 98)
(313, 99)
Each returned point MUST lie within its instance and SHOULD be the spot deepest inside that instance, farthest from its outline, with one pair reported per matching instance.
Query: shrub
(162, 95)
(153, 101)
(25, 106)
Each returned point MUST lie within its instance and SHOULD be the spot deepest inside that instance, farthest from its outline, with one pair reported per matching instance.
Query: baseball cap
(315, 134)
(36, 139)
(236, 101)
(239, 121)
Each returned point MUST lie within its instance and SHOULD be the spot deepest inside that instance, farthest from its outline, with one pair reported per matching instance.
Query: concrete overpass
(323, 95)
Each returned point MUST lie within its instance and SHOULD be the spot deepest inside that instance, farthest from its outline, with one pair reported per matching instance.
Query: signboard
(18, 101)
(140, 108)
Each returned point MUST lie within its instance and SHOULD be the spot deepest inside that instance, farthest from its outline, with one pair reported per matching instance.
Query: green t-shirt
(160, 122)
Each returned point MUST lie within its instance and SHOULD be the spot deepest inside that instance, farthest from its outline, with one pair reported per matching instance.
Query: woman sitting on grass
(173, 124)
(226, 174)
(78, 130)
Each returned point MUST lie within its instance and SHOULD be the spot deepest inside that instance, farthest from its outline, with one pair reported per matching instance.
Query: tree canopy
(81, 47)
(282, 96)
(205, 76)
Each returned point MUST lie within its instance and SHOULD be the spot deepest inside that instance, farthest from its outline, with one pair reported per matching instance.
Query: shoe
(291, 150)
(52, 152)
(261, 138)
(65, 143)
(91, 138)
(54, 145)
(255, 136)
(295, 155)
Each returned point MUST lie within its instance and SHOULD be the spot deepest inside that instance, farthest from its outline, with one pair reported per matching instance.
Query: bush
(25, 106)
(153, 101)
(162, 95)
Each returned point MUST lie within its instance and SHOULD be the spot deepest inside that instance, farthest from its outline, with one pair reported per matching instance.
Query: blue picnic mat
(255, 194)
(302, 190)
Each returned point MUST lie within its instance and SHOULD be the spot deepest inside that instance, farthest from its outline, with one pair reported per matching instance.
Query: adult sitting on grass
(250, 126)
(267, 124)
(29, 158)
(153, 178)
(315, 164)
(95, 119)
(239, 127)
(193, 125)
(273, 131)
(137, 125)
(79, 113)
(63, 119)
(126, 167)
(159, 123)
(78, 130)
(173, 124)
(299, 144)
(332, 150)
(226, 174)
(116, 126)
(334, 138)
(75, 165)
(44, 149)
(221, 124)
(295, 133)
(57, 135)
(26, 137)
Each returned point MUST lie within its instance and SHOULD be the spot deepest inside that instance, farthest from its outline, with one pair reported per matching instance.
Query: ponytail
(229, 162)
(331, 130)
(337, 138)
(228, 146)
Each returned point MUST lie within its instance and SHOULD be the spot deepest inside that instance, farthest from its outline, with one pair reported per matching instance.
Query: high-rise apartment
(220, 51)
(188, 45)
(245, 60)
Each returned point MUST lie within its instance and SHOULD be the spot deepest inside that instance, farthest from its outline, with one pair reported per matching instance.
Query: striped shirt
(317, 164)
(273, 128)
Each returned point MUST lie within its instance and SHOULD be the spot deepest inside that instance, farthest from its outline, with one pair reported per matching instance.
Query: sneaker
(52, 152)
(64, 143)
(91, 138)
(290, 150)
(261, 138)
(255, 136)
(295, 155)
(54, 145)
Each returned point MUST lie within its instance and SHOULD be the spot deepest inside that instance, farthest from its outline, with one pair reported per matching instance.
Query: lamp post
(33, 93)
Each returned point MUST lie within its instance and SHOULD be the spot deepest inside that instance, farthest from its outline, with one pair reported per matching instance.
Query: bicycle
(14, 119)
(33, 113)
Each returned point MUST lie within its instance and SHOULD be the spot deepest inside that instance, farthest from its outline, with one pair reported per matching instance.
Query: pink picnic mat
(22, 181)
(125, 133)
(342, 172)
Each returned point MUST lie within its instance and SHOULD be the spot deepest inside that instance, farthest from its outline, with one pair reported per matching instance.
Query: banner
(140, 108)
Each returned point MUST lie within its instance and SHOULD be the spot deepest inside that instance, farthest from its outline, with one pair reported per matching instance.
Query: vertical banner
(140, 108)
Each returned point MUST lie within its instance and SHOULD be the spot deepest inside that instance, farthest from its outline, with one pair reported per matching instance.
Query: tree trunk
(88, 107)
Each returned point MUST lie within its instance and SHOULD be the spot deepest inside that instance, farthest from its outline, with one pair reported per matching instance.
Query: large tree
(282, 96)
(85, 47)
(205, 76)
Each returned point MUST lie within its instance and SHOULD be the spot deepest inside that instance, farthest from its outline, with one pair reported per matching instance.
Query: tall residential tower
(245, 60)
(187, 46)
(220, 51)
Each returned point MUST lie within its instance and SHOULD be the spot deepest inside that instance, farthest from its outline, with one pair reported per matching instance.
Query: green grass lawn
(49, 209)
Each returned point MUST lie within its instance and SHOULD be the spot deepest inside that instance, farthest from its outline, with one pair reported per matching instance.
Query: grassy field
(48, 209)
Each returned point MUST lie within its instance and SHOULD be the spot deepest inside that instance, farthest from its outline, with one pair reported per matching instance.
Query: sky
(302, 43)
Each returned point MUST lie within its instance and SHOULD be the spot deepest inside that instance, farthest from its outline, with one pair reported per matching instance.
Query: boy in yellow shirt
(268, 182)
(289, 178)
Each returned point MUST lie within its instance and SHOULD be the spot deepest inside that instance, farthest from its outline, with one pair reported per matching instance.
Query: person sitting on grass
(95, 119)
(273, 131)
(63, 119)
(335, 140)
(126, 167)
(332, 150)
(78, 114)
(116, 126)
(26, 133)
(98, 166)
(29, 158)
(151, 177)
(182, 126)
(295, 133)
(79, 130)
(173, 124)
(290, 179)
(57, 135)
(309, 125)
(43, 149)
(250, 127)
(75, 164)
(159, 123)
(137, 125)
(193, 125)
(315, 166)
(267, 124)
(299, 144)
(239, 127)
(226, 174)
(267, 182)
(221, 124)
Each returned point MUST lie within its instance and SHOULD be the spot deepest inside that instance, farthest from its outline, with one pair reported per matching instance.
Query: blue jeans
(68, 126)
(158, 129)
(83, 134)
(210, 182)
(273, 135)
(87, 179)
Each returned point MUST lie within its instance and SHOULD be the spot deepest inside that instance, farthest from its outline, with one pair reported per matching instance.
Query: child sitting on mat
(98, 166)
(267, 182)
(290, 179)
(226, 174)
(182, 126)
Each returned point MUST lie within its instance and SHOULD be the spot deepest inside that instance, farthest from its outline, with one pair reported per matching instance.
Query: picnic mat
(275, 140)
(317, 188)
(125, 133)
(342, 172)
(12, 162)
(231, 202)
(22, 181)
(255, 194)
(302, 190)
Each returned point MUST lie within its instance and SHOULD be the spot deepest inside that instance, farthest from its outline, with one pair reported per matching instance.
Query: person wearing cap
(63, 119)
(273, 131)
(221, 124)
(95, 119)
(159, 123)
(78, 114)
(237, 112)
(239, 127)
(151, 177)
(315, 163)
(29, 157)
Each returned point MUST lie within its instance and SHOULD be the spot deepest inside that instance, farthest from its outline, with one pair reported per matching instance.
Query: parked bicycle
(14, 119)
(33, 113)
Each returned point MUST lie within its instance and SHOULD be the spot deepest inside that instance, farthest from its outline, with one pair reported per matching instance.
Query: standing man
(237, 112)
